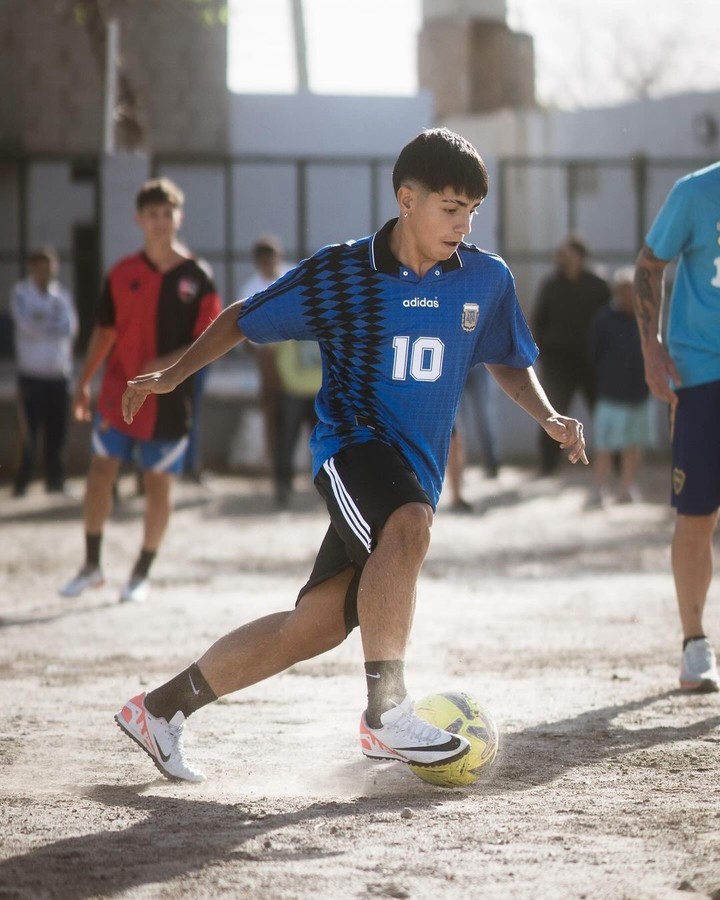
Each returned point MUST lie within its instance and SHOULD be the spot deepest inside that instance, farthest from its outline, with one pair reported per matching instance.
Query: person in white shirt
(269, 265)
(45, 325)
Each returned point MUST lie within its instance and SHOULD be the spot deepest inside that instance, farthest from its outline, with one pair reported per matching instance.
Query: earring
(405, 216)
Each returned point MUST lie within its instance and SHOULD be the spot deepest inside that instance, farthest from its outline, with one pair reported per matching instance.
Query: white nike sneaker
(160, 739)
(136, 590)
(406, 737)
(88, 576)
(698, 671)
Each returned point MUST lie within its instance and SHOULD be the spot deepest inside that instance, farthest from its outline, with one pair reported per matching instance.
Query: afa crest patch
(470, 316)
(678, 480)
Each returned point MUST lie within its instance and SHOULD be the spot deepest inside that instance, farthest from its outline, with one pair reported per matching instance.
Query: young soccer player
(683, 369)
(400, 318)
(155, 303)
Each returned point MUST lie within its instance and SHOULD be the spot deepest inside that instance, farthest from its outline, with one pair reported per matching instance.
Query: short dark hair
(438, 158)
(265, 246)
(157, 191)
(46, 254)
(577, 244)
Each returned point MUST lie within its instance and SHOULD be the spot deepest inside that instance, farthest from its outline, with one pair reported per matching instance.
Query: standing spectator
(623, 412)
(454, 472)
(478, 414)
(564, 310)
(477, 411)
(154, 304)
(299, 373)
(267, 256)
(683, 369)
(192, 468)
(45, 324)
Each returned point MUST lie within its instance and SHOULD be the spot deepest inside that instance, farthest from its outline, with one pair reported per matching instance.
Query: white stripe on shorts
(350, 512)
(169, 459)
(98, 448)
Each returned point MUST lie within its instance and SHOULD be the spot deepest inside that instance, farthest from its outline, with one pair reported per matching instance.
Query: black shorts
(696, 450)
(362, 486)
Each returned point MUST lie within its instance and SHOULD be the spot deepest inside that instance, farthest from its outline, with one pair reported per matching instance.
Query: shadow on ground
(179, 836)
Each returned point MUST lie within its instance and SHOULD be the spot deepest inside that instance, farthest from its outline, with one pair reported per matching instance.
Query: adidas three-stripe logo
(350, 512)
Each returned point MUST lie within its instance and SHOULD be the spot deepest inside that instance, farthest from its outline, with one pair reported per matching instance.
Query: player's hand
(81, 407)
(660, 370)
(141, 387)
(569, 434)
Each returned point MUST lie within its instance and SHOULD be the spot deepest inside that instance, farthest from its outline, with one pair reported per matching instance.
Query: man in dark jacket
(566, 305)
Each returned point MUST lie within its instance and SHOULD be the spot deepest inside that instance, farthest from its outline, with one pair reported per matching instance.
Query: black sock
(186, 692)
(694, 637)
(385, 686)
(142, 566)
(92, 549)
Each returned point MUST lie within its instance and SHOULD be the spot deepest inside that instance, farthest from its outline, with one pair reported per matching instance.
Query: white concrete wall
(316, 127)
(323, 125)
(664, 127)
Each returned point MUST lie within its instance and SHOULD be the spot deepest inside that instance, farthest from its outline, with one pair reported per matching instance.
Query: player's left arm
(522, 386)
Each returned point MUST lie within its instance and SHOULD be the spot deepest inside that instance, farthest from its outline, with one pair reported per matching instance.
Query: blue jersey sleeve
(507, 341)
(276, 314)
(672, 229)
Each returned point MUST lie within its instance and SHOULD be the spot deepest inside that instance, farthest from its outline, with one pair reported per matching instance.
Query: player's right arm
(659, 367)
(100, 344)
(220, 336)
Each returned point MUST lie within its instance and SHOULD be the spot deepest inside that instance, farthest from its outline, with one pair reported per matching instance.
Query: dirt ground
(561, 622)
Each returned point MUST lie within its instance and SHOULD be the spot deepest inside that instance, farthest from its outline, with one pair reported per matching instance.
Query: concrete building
(471, 61)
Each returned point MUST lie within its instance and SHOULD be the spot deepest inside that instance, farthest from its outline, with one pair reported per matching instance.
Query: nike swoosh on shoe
(163, 756)
(452, 744)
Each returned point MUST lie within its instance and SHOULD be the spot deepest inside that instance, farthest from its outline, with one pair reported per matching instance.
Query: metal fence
(609, 202)
(306, 201)
(311, 201)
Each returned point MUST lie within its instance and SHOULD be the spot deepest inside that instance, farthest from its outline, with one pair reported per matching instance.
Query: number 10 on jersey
(425, 356)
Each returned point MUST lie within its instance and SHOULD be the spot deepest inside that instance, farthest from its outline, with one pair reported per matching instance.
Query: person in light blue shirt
(400, 317)
(683, 369)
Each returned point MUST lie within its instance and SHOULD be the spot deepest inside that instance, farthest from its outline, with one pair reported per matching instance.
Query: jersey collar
(151, 265)
(383, 260)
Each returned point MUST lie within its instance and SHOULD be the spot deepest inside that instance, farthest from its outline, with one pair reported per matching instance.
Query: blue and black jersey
(396, 348)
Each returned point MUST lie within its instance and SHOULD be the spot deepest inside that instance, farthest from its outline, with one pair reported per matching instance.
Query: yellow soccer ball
(459, 713)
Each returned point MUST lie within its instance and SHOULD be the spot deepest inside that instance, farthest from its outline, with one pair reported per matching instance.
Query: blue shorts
(156, 456)
(696, 450)
(617, 426)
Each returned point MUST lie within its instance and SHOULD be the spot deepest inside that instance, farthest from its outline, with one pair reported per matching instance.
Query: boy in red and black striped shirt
(154, 304)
